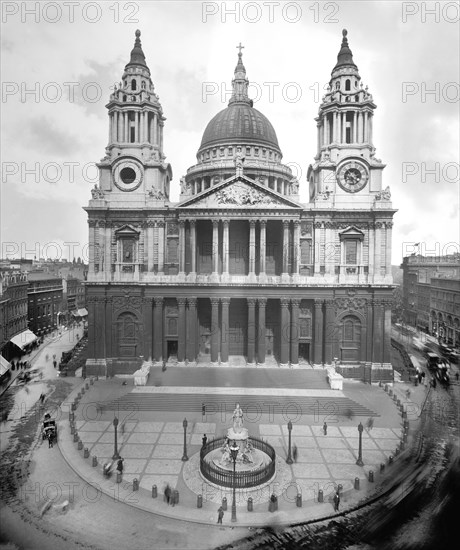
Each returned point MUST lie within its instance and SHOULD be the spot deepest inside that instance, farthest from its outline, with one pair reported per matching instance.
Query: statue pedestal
(241, 435)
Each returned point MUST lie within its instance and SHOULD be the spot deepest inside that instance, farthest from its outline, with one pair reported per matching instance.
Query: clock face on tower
(352, 177)
(127, 175)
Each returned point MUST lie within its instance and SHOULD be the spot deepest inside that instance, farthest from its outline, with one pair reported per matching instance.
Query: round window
(127, 175)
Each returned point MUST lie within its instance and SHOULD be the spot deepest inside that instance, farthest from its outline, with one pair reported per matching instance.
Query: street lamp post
(234, 453)
(359, 462)
(115, 448)
(289, 457)
(185, 424)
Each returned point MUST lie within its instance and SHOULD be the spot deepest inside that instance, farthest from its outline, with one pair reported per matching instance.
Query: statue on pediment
(384, 195)
(239, 162)
(294, 186)
(97, 192)
(156, 194)
(183, 186)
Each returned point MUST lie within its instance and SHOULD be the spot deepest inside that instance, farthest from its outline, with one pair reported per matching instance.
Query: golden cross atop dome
(240, 47)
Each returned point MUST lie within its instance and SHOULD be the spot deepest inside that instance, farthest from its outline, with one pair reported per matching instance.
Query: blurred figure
(294, 452)
(369, 424)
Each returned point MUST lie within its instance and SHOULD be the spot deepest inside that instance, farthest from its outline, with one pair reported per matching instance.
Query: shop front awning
(83, 312)
(5, 366)
(23, 338)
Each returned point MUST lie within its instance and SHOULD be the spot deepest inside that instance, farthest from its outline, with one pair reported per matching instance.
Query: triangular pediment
(238, 192)
(352, 232)
(127, 231)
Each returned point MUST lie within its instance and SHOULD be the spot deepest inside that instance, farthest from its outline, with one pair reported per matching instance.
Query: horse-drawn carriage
(49, 430)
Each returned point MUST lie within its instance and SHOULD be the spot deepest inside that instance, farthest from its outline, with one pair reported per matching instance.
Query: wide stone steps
(239, 377)
(222, 405)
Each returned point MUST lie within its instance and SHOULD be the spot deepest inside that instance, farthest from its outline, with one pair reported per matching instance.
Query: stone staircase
(321, 408)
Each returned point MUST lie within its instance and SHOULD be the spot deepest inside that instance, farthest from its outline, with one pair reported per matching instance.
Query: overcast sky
(58, 69)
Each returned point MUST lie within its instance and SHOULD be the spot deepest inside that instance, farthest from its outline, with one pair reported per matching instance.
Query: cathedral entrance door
(304, 353)
(172, 349)
(350, 339)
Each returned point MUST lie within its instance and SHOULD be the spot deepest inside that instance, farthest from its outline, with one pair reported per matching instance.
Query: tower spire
(137, 55)
(345, 56)
(240, 82)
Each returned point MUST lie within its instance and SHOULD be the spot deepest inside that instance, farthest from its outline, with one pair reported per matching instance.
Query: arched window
(133, 84)
(347, 85)
(337, 85)
(143, 84)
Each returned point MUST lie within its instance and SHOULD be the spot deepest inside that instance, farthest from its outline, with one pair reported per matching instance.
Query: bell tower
(345, 171)
(134, 170)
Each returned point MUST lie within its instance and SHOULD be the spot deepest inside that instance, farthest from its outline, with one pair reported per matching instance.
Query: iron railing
(243, 480)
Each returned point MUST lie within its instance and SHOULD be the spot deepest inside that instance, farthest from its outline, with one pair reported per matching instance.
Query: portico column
(295, 329)
(161, 247)
(224, 331)
(147, 305)
(108, 326)
(285, 335)
(355, 127)
(338, 126)
(91, 245)
(377, 356)
(158, 328)
(263, 238)
(182, 336)
(193, 244)
(150, 224)
(214, 330)
(125, 127)
(387, 332)
(261, 331)
(296, 247)
(120, 128)
(155, 129)
(285, 247)
(371, 252)
(251, 330)
(108, 250)
(182, 246)
(137, 127)
(344, 127)
(318, 343)
(389, 226)
(366, 134)
(330, 333)
(317, 249)
(252, 247)
(215, 247)
(226, 246)
(360, 127)
(191, 329)
(378, 250)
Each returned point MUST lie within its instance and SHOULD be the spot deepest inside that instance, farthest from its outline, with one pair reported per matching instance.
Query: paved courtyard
(152, 445)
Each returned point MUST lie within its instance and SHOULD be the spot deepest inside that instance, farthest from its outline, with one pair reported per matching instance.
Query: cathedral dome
(239, 123)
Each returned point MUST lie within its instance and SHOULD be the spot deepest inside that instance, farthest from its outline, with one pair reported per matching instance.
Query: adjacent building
(431, 286)
(240, 272)
(44, 296)
(13, 312)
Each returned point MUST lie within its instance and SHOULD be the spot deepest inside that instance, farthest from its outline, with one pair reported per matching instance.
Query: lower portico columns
(182, 335)
(224, 332)
(161, 246)
(251, 330)
(295, 329)
(285, 336)
(158, 329)
(330, 332)
(191, 329)
(262, 302)
(296, 259)
(318, 343)
(147, 306)
(214, 330)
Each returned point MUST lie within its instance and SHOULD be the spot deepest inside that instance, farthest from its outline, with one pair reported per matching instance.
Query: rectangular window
(351, 252)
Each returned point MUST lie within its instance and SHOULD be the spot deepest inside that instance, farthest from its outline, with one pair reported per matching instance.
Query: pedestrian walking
(203, 410)
(369, 424)
(120, 465)
(325, 428)
(204, 440)
(122, 428)
(294, 452)
(47, 357)
(55, 363)
(167, 494)
(220, 515)
(50, 440)
(42, 398)
(336, 501)
(408, 393)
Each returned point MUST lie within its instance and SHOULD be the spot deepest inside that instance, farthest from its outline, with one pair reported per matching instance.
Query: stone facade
(239, 271)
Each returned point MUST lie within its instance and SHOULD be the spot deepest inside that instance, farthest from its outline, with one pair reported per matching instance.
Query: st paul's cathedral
(239, 272)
